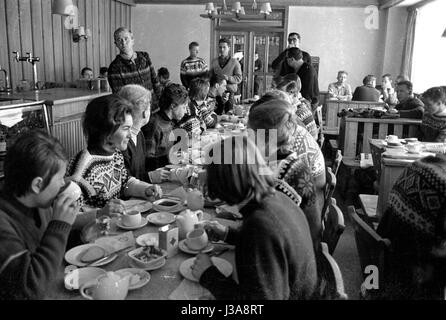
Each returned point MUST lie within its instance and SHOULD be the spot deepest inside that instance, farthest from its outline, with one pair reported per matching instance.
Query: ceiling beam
(386, 4)
(318, 3)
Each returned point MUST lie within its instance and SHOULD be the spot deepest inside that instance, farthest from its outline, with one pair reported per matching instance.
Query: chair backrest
(319, 115)
(372, 248)
(331, 281)
(332, 226)
(337, 162)
(330, 185)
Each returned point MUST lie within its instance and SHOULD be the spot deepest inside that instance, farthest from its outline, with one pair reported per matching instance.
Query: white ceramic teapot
(187, 220)
(195, 199)
(109, 286)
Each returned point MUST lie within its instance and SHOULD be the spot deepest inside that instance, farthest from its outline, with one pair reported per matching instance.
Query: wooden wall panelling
(48, 47)
(4, 48)
(37, 35)
(89, 24)
(82, 46)
(112, 23)
(102, 35)
(74, 48)
(129, 16)
(66, 49)
(118, 15)
(107, 34)
(26, 36)
(58, 49)
(95, 32)
(13, 28)
(123, 15)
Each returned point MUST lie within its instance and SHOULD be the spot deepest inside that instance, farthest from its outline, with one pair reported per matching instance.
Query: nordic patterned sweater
(101, 177)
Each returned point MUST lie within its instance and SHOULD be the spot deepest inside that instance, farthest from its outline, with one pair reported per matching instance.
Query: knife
(108, 256)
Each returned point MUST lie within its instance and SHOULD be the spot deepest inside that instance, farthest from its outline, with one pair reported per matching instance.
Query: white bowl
(168, 205)
(78, 277)
(144, 264)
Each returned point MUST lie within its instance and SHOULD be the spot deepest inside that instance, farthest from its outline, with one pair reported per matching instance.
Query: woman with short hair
(99, 169)
(273, 249)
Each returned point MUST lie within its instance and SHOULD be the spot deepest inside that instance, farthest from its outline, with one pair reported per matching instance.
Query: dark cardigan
(273, 252)
(31, 249)
(135, 158)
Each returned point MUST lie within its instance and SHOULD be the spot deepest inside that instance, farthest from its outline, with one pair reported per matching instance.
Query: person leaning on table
(99, 169)
(273, 249)
(34, 220)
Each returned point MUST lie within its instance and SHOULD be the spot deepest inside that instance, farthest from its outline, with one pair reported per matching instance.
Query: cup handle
(199, 214)
(87, 286)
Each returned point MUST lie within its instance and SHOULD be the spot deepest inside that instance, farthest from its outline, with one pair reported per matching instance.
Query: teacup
(392, 139)
(197, 239)
(109, 286)
(413, 147)
(71, 189)
(131, 218)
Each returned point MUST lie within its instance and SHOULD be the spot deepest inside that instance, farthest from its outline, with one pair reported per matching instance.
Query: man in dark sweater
(307, 75)
(409, 106)
(218, 97)
(279, 64)
(131, 67)
(367, 91)
(35, 220)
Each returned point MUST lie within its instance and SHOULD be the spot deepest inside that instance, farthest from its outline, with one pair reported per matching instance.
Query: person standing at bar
(226, 67)
(131, 67)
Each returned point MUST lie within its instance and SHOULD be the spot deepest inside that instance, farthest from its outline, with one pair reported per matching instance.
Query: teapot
(195, 199)
(109, 286)
(187, 220)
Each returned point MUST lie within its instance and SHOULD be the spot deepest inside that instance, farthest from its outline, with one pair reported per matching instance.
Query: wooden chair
(372, 248)
(332, 226)
(318, 116)
(330, 185)
(331, 281)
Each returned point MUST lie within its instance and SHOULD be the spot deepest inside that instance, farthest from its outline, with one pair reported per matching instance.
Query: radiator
(70, 135)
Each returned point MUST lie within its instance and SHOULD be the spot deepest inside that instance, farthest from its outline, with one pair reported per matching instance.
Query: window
(428, 62)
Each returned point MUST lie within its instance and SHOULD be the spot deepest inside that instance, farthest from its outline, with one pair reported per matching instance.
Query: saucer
(122, 226)
(161, 218)
(222, 265)
(144, 277)
(72, 256)
(183, 247)
(158, 265)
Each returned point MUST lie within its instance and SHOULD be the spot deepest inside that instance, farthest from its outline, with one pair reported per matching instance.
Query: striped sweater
(138, 71)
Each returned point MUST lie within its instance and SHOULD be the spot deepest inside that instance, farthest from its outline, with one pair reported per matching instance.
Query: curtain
(406, 66)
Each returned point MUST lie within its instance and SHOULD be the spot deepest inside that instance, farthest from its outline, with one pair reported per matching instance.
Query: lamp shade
(237, 7)
(210, 7)
(265, 8)
(63, 7)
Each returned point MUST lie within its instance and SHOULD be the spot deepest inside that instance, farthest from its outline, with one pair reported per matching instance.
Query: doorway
(255, 50)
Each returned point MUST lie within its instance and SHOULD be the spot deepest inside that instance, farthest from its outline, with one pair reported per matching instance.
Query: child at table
(34, 220)
(433, 125)
(200, 116)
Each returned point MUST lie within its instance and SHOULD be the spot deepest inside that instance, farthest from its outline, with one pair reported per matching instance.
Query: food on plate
(134, 278)
(149, 254)
(92, 254)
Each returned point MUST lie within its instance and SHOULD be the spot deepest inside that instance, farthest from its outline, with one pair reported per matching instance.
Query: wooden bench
(333, 107)
(355, 134)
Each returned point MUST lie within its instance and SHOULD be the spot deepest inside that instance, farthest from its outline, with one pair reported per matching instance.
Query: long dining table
(163, 281)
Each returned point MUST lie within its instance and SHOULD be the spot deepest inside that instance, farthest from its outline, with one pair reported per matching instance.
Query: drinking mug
(131, 218)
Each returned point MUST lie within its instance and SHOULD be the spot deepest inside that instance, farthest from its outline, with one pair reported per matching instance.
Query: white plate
(183, 247)
(72, 255)
(138, 205)
(223, 265)
(161, 218)
(147, 239)
(154, 267)
(122, 226)
(144, 276)
(159, 206)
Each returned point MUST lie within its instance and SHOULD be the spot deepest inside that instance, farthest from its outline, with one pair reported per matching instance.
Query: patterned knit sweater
(138, 71)
(101, 177)
(305, 115)
(433, 128)
(414, 222)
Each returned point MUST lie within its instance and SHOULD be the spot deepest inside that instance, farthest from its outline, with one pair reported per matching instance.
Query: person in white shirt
(340, 90)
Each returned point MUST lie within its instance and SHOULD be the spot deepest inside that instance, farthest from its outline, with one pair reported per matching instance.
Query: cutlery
(108, 256)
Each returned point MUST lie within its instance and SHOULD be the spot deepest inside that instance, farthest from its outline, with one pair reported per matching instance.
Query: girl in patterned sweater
(99, 169)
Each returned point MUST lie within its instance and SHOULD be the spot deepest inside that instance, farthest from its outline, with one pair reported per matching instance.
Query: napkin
(190, 290)
(117, 242)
